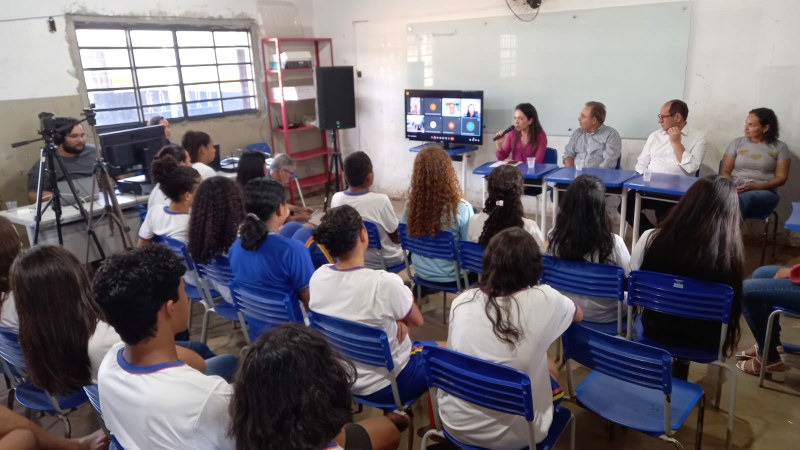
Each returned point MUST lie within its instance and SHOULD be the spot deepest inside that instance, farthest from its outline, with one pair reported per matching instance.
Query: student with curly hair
(509, 319)
(252, 164)
(583, 233)
(10, 246)
(178, 183)
(261, 256)
(201, 152)
(157, 196)
(150, 397)
(217, 211)
(701, 239)
(350, 291)
(503, 209)
(435, 205)
(292, 391)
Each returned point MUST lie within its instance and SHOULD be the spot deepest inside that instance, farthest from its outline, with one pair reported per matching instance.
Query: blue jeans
(757, 203)
(222, 365)
(759, 295)
(290, 230)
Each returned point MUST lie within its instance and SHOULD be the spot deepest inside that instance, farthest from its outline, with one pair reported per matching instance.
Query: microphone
(505, 132)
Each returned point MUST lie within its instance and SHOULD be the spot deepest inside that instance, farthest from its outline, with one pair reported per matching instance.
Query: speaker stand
(335, 170)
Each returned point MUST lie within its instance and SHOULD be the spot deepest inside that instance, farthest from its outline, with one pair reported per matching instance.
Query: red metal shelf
(308, 154)
(313, 180)
(294, 130)
(278, 102)
(300, 70)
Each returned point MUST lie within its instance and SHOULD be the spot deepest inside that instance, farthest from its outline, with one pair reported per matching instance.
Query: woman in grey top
(758, 163)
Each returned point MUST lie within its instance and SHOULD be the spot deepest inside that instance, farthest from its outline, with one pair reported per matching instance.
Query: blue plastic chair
(689, 298)
(489, 385)
(264, 307)
(366, 345)
(217, 276)
(93, 394)
(470, 259)
(262, 147)
(375, 242)
(441, 246)
(631, 384)
(787, 348)
(601, 281)
(197, 289)
(25, 392)
(550, 156)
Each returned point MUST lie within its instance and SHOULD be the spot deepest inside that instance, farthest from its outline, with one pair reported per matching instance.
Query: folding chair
(787, 348)
(689, 298)
(375, 243)
(25, 392)
(602, 281)
(264, 308)
(489, 385)
(196, 288)
(470, 259)
(217, 276)
(93, 394)
(440, 246)
(631, 384)
(367, 345)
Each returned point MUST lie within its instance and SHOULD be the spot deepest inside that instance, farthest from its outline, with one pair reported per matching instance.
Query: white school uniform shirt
(542, 314)
(477, 222)
(204, 171)
(658, 155)
(370, 297)
(100, 342)
(8, 311)
(376, 208)
(157, 197)
(164, 406)
(638, 250)
(603, 310)
(161, 221)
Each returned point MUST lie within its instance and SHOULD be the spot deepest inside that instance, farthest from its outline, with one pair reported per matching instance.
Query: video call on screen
(447, 116)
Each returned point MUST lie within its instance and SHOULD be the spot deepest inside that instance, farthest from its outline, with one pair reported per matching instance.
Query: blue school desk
(660, 183)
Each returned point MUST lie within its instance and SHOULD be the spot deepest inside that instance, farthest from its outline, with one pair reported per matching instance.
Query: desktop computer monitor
(132, 150)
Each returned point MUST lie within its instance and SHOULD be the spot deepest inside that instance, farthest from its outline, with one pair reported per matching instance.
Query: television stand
(457, 152)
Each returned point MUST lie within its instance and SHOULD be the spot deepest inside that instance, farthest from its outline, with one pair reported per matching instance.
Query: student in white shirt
(157, 196)
(350, 291)
(292, 391)
(583, 233)
(201, 152)
(503, 208)
(10, 246)
(676, 149)
(373, 207)
(150, 397)
(508, 320)
(178, 183)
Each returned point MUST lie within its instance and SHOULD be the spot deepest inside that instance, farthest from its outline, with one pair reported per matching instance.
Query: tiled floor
(766, 418)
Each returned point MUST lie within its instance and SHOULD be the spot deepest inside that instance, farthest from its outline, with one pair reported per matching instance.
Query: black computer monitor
(131, 150)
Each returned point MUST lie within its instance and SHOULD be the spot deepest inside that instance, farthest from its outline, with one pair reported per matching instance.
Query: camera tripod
(335, 170)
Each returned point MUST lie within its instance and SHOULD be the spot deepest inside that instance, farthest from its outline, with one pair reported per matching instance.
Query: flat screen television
(131, 150)
(449, 117)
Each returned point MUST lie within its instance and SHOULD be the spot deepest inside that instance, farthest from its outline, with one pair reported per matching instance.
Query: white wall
(742, 54)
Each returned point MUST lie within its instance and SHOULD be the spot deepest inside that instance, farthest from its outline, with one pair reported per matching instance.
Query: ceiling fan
(525, 10)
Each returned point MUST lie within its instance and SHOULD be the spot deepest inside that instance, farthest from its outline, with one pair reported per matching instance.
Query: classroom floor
(766, 418)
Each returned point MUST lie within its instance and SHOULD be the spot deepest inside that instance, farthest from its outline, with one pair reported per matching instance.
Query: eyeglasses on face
(664, 116)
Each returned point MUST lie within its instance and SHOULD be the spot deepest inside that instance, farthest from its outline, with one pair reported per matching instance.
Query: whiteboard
(631, 58)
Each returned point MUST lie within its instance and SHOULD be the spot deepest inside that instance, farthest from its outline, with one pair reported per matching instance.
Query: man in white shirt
(674, 149)
(150, 398)
(373, 207)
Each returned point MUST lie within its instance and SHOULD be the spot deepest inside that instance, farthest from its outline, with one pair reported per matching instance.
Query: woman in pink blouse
(527, 139)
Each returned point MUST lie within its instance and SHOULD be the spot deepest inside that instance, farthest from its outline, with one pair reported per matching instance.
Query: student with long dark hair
(217, 211)
(509, 320)
(292, 391)
(201, 152)
(583, 233)
(178, 183)
(157, 196)
(260, 255)
(503, 209)
(10, 246)
(252, 164)
(350, 291)
(526, 140)
(701, 239)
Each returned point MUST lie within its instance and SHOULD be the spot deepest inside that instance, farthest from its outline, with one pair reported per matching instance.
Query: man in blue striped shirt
(594, 144)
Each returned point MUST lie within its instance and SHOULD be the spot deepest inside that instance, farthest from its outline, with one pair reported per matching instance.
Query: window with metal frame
(133, 73)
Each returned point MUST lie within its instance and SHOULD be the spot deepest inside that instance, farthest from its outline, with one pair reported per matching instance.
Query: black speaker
(336, 98)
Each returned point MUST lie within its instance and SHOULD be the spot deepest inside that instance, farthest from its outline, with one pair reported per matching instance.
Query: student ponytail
(504, 203)
(262, 197)
(174, 179)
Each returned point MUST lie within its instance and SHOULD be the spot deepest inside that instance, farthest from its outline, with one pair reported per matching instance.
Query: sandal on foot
(749, 367)
(750, 353)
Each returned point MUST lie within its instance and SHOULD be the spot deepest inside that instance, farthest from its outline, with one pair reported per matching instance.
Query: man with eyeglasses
(77, 155)
(282, 170)
(675, 149)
